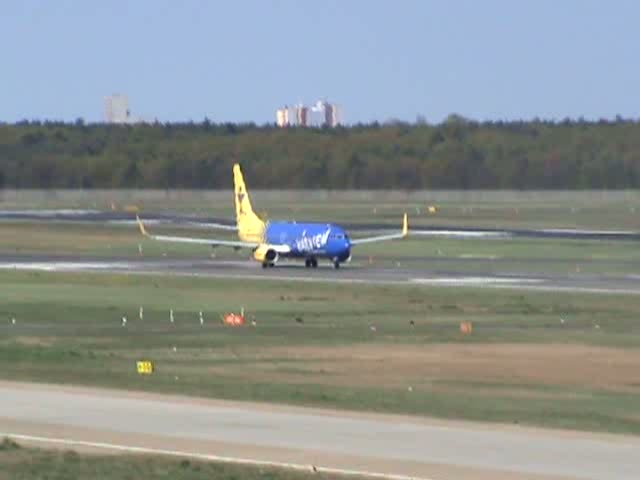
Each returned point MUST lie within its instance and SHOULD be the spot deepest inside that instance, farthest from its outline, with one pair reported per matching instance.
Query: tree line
(455, 154)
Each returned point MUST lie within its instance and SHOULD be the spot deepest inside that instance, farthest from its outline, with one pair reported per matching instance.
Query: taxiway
(384, 445)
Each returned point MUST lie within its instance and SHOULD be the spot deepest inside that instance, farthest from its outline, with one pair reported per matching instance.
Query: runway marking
(570, 231)
(209, 457)
(396, 278)
(48, 213)
(64, 266)
(461, 233)
(476, 281)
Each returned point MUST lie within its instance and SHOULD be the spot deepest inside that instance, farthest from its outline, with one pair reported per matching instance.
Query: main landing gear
(313, 263)
(267, 264)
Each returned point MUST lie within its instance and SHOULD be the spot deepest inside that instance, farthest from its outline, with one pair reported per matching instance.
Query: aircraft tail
(250, 227)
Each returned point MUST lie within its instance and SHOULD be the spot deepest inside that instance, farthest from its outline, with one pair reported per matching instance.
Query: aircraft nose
(346, 250)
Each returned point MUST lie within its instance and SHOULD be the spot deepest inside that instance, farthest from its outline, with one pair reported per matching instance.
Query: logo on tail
(240, 197)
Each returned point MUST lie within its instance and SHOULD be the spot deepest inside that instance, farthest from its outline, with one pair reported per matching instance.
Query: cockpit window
(337, 236)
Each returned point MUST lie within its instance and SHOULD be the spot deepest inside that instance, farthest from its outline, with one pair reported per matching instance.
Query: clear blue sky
(239, 60)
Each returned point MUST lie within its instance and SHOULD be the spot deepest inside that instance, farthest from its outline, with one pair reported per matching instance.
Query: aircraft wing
(381, 238)
(201, 241)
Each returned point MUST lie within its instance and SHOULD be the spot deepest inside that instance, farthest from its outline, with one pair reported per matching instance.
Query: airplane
(272, 241)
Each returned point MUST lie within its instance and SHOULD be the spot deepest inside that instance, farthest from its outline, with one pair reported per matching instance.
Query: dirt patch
(518, 364)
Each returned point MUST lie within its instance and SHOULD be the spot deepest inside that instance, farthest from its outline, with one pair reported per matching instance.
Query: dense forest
(456, 154)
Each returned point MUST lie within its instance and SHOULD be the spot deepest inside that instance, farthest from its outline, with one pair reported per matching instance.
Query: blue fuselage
(307, 240)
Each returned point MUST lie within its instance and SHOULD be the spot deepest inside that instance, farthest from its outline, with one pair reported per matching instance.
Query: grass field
(558, 360)
(549, 359)
(24, 463)
(616, 210)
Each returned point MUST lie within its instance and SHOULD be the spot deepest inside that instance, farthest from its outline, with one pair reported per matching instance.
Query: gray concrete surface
(625, 284)
(404, 444)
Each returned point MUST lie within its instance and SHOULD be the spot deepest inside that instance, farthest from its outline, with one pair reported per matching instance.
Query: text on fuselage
(312, 242)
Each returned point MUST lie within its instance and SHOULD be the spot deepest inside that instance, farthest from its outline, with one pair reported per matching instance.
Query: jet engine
(265, 254)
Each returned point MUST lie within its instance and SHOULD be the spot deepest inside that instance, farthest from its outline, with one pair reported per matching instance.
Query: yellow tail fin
(250, 227)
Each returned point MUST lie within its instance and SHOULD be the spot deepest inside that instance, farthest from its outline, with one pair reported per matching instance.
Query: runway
(381, 444)
(350, 274)
(71, 215)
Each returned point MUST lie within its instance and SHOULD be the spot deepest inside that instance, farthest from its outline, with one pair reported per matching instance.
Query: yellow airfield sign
(145, 367)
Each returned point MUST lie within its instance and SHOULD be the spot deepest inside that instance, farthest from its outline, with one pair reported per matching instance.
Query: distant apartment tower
(322, 113)
(302, 115)
(332, 115)
(282, 116)
(117, 109)
(327, 114)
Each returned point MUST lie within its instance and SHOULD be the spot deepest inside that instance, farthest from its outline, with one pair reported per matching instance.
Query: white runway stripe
(476, 281)
(460, 233)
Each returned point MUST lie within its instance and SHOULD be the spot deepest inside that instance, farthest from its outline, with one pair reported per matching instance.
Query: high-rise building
(282, 117)
(321, 114)
(332, 114)
(302, 115)
(117, 109)
(327, 114)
